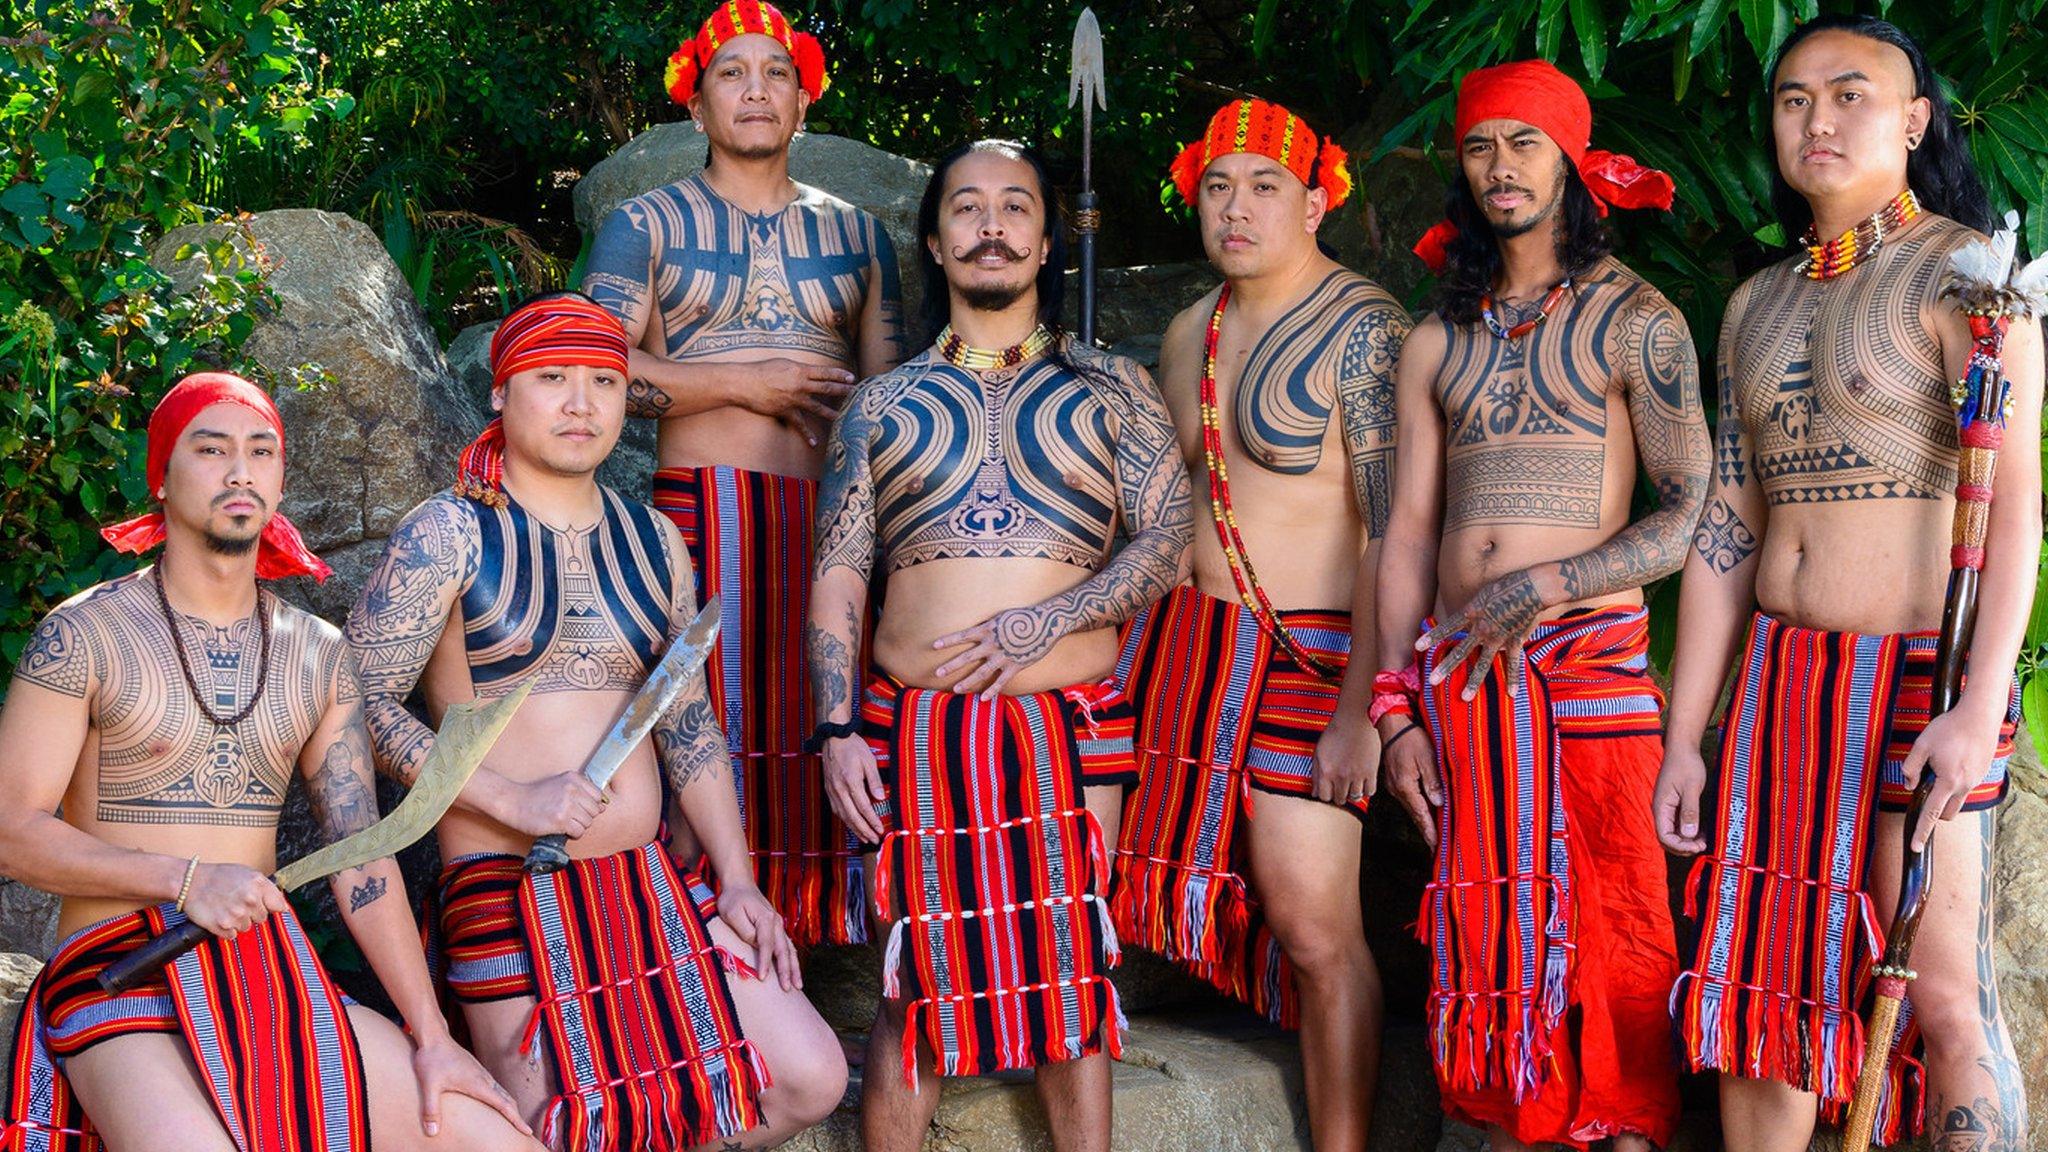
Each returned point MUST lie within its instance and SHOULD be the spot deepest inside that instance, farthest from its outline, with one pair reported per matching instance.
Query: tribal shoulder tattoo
(713, 280)
(160, 759)
(1724, 538)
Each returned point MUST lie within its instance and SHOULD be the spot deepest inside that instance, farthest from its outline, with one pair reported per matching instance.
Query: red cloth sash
(749, 536)
(1221, 710)
(1814, 741)
(992, 878)
(633, 1004)
(265, 1025)
(1503, 914)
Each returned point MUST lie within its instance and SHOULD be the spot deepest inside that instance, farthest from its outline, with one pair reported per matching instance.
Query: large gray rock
(16, 971)
(367, 445)
(28, 919)
(464, 398)
(887, 185)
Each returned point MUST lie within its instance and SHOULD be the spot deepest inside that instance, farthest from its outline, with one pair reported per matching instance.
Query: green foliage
(109, 115)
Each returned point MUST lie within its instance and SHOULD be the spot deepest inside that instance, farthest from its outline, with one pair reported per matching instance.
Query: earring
(1912, 142)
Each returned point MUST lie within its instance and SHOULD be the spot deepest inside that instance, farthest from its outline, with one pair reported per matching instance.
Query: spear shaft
(1085, 85)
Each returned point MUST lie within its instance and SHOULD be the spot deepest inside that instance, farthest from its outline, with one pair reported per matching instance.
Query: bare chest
(1015, 463)
(1526, 425)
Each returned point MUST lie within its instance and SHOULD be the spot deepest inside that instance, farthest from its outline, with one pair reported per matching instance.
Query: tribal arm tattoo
(883, 344)
(1725, 538)
(845, 550)
(340, 774)
(619, 275)
(691, 748)
(1365, 396)
(399, 619)
(1156, 501)
(1661, 373)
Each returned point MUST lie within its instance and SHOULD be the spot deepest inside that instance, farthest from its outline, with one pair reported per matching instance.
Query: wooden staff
(1982, 281)
(1085, 86)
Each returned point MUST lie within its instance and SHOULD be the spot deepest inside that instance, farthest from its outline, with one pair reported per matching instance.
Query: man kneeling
(163, 713)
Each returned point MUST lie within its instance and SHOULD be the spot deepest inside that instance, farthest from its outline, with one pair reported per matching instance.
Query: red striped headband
(556, 331)
(1269, 130)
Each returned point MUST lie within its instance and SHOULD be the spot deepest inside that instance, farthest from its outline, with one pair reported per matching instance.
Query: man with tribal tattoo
(1525, 739)
(1818, 574)
(988, 480)
(1281, 388)
(751, 300)
(149, 737)
(623, 1005)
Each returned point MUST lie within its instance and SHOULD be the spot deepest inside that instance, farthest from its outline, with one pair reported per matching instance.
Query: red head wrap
(1536, 93)
(741, 18)
(555, 331)
(281, 551)
(1267, 130)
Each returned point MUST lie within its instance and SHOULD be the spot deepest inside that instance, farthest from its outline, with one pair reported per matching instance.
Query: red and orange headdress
(281, 551)
(1536, 93)
(554, 330)
(742, 18)
(1267, 130)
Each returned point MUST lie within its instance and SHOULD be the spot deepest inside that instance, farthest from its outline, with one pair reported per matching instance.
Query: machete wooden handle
(550, 853)
(149, 959)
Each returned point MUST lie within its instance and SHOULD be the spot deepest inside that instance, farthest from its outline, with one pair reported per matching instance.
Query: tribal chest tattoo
(583, 610)
(160, 760)
(725, 280)
(1840, 383)
(1526, 419)
(1004, 462)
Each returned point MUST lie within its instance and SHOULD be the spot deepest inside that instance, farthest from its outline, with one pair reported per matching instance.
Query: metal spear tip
(1084, 83)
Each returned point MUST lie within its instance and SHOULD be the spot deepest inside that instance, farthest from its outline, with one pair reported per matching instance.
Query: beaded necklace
(1241, 572)
(1829, 260)
(1522, 329)
(163, 602)
(959, 353)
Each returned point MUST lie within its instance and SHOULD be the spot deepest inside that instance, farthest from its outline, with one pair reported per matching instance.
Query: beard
(1522, 227)
(993, 297)
(231, 545)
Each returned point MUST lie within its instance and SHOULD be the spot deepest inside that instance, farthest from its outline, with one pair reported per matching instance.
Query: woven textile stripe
(1221, 710)
(1499, 914)
(749, 534)
(1818, 727)
(633, 1004)
(264, 1024)
(991, 879)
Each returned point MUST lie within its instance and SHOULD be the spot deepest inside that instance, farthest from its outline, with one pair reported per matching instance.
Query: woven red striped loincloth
(992, 876)
(1533, 871)
(1221, 711)
(749, 535)
(631, 994)
(1814, 741)
(265, 1025)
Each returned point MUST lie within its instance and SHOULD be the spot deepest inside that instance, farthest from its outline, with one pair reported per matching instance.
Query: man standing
(1281, 388)
(1546, 374)
(163, 715)
(988, 480)
(750, 301)
(1826, 540)
(655, 1033)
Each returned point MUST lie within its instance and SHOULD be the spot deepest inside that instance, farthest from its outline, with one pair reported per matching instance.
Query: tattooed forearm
(647, 400)
(1723, 540)
(828, 656)
(688, 742)
(396, 624)
(1649, 549)
(363, 895)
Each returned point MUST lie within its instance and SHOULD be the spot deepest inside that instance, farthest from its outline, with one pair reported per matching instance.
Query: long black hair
(1052, 275)
(1474, 254)
(1940, 171)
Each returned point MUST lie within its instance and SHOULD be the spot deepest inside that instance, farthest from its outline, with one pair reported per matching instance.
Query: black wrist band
(827, 730)
(1396, 737)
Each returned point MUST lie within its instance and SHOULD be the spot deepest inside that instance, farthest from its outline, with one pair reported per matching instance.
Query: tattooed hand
(1497, 620)
(1002, 645)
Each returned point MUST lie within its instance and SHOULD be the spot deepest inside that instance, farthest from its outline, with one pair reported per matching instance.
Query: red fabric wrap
(744, 18)
(1268, 130)
(1814, 742)
(554, 331)
(281, 552)
(632, 998)
(749, 538)
(991, 879)
(1547, 916)
(1534, 92)
(1222, 711)
(266, 1028)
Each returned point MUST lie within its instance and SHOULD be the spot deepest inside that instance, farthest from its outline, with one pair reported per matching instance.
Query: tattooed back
(155, 774)
(1306, 411)
(1835, 395)
(1542, 434)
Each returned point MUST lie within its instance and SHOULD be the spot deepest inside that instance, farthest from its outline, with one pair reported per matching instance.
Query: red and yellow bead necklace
(1829, 260)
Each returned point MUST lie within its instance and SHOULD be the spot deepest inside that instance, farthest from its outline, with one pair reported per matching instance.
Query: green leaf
(2013, 69)
(2034, 702)
(66, 178)
(1707, 25)
(1264, 22)
(2013, 123)
(1591, 25)
(1766, 23)
(1550, 29)
(2022, 171)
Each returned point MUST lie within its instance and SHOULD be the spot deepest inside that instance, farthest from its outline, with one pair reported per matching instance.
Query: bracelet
(185, 889)
(1396, 737)
(1389, 704)
(827, 730)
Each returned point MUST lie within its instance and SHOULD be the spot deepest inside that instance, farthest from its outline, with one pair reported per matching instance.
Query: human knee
(1321, 950)
(809, 1083)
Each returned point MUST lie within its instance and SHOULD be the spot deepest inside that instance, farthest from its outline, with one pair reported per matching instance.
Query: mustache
(986, 247)
(262, 505)
(1529, 192)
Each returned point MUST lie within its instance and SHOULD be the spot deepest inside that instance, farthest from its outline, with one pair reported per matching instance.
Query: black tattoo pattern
(688, 741)
(829, 658)
(1723, 540)
(344, 801)
(428, 561)
(647, 400)
(57, 657)
(1365, 395)
(1986, 1124)
(363, 895)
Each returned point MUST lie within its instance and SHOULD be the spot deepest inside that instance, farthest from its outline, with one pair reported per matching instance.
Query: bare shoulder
(1119, 381)
(873, 396)
(1425, 346)
(73, 645)
(1356, 290)
(824, 203)
(1184, 332)
(322, 653)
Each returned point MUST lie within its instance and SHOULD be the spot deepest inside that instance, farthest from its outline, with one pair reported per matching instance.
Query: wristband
(1394, 693)
(1396, 737)
(827, 730)
(185, 889)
